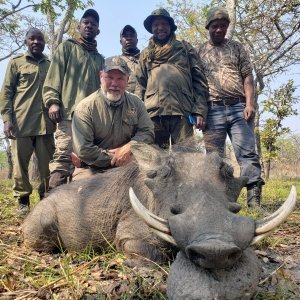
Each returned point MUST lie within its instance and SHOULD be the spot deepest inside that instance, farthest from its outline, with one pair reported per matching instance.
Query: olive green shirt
(226, 67)
(97, 126)
(73, 75)
(21, 96)
(175, 87)
(132, 62)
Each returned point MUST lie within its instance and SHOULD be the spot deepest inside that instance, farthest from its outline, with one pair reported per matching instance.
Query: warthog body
(197, 195)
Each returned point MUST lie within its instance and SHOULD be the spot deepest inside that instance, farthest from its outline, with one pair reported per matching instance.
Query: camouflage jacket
(225, 68)
(132, 62)
(21, 96)
(73, 75)
(177, 87)
(98, 126)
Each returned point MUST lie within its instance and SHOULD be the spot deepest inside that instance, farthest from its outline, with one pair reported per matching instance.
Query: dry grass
(26, 274)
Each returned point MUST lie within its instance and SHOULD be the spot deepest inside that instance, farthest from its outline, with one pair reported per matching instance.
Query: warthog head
(197, 195)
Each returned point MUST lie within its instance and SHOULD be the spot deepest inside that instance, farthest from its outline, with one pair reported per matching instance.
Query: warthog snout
(211, 253)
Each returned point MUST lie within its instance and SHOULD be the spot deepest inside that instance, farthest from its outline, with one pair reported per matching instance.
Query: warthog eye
(176, 209)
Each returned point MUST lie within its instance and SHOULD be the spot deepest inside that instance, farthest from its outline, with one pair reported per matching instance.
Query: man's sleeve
(145, 128)
(83, 141)
(245, 63)
(8, 91)
(52, 88)
(200, 86)
(141, 78)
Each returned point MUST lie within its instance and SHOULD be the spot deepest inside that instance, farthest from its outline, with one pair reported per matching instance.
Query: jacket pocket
(130, 121)
(151, 99)
(26, 78)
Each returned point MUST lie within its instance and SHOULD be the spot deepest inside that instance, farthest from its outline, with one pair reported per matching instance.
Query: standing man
(170, 81)
(72, 76)
(231, 107)
(105, 122)
(25, 117)
(130, 53)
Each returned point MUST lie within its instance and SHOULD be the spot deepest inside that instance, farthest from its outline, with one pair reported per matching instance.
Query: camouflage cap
(129, 28)
(116, 63)
(216, 13)
(160, 12)
(91, 12)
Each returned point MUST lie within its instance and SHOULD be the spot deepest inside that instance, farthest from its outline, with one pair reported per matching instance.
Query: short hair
(32, 29)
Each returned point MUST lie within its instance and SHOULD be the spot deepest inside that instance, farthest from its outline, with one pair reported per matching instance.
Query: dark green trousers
(22, 149)
(177, 128)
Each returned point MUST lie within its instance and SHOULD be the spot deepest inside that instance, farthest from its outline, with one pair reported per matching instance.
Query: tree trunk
(231, 8)
(35, 175)
(9, 158)
(268, 166)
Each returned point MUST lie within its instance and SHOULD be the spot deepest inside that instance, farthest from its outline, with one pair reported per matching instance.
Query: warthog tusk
(265, 226)
(164, 236)
(147, 216)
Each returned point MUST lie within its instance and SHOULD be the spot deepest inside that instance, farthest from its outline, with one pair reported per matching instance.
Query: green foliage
(280, 106)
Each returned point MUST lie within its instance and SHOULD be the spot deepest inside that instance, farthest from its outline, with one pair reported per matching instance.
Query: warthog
(191, 209)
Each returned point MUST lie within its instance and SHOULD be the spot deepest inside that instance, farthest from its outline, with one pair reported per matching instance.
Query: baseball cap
(91, 12)
(127, 27)
(116, 63)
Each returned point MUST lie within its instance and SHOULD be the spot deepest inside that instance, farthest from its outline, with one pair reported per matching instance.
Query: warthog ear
(149, 157)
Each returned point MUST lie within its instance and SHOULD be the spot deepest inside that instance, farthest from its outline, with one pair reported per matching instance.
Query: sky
(114, 15)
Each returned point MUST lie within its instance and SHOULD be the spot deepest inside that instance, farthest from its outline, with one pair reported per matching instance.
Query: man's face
(217, 31)
(113, 84)
(161, 28)
(35, 42)
(88, 28)
(129, 39)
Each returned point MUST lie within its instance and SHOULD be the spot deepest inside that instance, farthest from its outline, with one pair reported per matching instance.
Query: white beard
(111, 97)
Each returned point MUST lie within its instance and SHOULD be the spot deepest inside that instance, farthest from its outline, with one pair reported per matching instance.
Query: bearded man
(107, 121)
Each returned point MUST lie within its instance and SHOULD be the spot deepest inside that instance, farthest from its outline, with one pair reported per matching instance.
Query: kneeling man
(105, 122)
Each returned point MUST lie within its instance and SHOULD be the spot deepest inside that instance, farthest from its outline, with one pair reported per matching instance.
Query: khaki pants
(22, 149)
(63, 148)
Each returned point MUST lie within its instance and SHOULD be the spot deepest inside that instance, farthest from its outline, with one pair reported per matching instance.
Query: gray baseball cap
(116, 63)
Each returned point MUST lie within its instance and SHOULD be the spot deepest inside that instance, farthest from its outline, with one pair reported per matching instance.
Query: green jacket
(73, 75)
(132, 62)
(97, 126)
(21, 96)
(177, 87)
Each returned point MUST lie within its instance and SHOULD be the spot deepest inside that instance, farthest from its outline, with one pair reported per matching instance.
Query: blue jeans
(223, 120)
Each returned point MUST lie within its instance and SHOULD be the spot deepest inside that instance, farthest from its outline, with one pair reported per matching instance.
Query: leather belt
(227, 101)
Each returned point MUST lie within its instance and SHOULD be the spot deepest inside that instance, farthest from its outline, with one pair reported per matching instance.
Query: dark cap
(116, 63)
(91, 12)
(161, 12)
(127, 27)
(216, 13)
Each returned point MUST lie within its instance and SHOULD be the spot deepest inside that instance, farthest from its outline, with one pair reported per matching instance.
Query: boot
(57, 179)
(254, 195)
(24, 206)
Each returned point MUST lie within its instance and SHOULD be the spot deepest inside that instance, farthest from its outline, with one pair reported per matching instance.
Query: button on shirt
(21, 96)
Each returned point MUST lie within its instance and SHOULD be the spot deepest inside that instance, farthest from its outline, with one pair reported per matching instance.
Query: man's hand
(122, 155)
(249, 112)
(55, 113)
(200, 122)
(8, 130)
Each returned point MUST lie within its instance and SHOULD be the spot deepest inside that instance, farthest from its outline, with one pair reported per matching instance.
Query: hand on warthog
(55, 113)
(122, 155)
